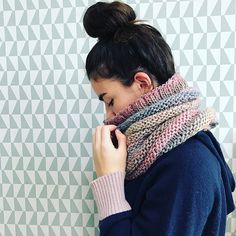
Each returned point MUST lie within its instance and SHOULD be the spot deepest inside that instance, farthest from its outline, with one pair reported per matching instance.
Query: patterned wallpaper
(48, 111)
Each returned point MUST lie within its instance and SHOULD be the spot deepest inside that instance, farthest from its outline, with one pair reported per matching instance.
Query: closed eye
(111, 103)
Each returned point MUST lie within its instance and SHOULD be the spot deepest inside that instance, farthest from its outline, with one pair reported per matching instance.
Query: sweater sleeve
(184, 198)
(108, 192)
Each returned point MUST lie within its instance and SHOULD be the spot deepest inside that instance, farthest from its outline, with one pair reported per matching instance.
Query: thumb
(121, 139)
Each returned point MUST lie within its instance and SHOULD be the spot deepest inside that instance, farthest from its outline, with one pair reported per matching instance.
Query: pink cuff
(108, 191)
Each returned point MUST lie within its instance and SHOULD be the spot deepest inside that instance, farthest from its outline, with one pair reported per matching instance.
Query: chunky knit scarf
(159, 121)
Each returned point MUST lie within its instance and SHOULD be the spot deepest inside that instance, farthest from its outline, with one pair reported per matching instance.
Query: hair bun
(102, 20)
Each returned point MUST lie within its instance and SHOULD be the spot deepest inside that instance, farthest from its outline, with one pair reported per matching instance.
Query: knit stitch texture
(159, 121)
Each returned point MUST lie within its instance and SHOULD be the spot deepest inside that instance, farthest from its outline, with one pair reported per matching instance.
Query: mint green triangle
(10, 192)
(51, 232)
(67, 32)
(43, 193)
(4, 79)
(31, 34)
(84, 179)
(3, 151)
(85, 208)
(69, 92)
(12, 20)
(27, 179)
(18, 5)
(50, 180)
(28, 230)
(31, 165)
(35, 122)
(63, 109)
(89, 195)
(43, 33)
(73, 207)
(30, 5)
(75, 109)
(88, 136)
(19, 34)
(60, 152)
(21, 193)
(28, 107)
(42, 165)
(37, 152)
(61, 47)
(39, 109)
(18, 137)
(15, 80)
(52, 138)
(61, 180)
(32, 193)
(67, 221)
(82, 94)
(35, 20)
(33, 220)
(47, 95)
(55, 34)
(38, 80)
(48, 151)
(53, 166)
(27, 79)
(48, 17)
(59, 123)
(17, 205)
(54, 194)
(23, 20)
(45, 65)
(22, 220)
(73, 48)
(64, 137)
(34, 94)
(56, 220)
(51, 207)
(44, 220)
(62, 232)
(3, 49)
(77, 165)
(90, 222)
(6, 6)
(42, 5)
(16, 179)
(47, 123)
(60, 17)
(16, 109)
(41, 137)
(216, 43)
(66, 194)
(40, 231)
(6, 229)
(24, 124)
(33, 65)
(72, 152)
(8, 165)
(6, 205)
(58, 94)
(14, 151)
(28, 139)
(10, 66)
(83, 150)
(13, 51)
(7, 138)
(39, 206)
(62, 207)
(38, 179)
(72, 179)
(83, 122)
(68, 63)
(78, 193)
(76, 138)
(74, 78)
(5, 109)
(71, 123)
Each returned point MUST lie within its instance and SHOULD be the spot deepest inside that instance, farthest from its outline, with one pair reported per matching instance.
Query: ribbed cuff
(108, 191)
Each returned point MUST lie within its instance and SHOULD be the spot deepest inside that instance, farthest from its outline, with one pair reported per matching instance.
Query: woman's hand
(107, 158)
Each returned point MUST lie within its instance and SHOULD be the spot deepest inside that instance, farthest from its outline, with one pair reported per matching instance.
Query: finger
(98, 136)
(121, 139)
(106, 133)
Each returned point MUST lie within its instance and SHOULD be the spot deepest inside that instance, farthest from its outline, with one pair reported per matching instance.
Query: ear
(144, 82)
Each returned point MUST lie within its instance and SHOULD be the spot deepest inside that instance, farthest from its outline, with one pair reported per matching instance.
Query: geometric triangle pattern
(48, 110)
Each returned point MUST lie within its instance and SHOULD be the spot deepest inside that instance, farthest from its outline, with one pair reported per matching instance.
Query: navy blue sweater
(186, 192)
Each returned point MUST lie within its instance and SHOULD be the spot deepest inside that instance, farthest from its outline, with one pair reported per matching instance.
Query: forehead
(101, 84)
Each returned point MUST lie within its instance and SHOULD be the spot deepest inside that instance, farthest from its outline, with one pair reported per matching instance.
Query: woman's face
(115, 95)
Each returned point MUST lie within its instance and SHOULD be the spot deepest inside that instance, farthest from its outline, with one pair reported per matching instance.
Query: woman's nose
(109, 113)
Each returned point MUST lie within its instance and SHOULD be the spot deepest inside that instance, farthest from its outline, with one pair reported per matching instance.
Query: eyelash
(111, 102)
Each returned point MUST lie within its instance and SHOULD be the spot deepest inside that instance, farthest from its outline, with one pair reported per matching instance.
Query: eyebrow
(100, 97)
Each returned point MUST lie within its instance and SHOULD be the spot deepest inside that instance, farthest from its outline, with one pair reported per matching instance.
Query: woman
(160, 170)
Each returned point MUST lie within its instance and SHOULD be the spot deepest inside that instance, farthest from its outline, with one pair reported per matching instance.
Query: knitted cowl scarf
(159, 121)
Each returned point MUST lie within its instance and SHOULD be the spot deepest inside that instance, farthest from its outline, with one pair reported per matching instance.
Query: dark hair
(125, 45)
